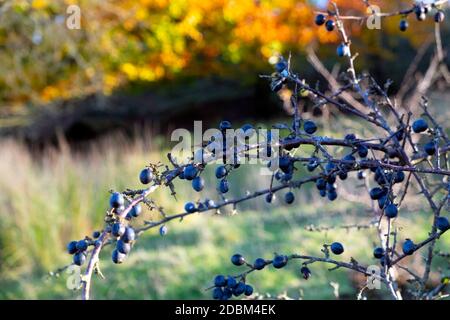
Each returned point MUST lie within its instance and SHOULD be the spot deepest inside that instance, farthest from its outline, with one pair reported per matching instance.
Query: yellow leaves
(39, 4)
(49, 93)
(143, 73)
(130, 70)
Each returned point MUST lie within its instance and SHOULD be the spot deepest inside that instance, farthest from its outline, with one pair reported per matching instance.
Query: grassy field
(63, 196)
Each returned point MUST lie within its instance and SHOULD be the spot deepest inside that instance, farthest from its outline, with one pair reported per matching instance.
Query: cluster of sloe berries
(226, 287)
(421, 12)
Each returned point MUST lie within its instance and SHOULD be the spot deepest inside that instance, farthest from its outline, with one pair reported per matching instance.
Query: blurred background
(83, 111)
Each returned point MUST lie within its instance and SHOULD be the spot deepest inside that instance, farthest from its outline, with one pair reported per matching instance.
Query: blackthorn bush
(398, 156)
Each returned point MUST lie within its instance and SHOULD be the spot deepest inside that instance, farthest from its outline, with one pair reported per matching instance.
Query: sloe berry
(163, 230)
(305, 272)
(190, 171)
(136, 210)
(430, 148)
(217, 294)
(259, 264)
(329, 25)
(378, 252)
(420, 125)
(289, 197)
(129, 235)
(391, 211)
(442, 223)
(279, 261)
(310, 127)
(116, 200)
(237, 259)
(190, 207)
(123, 247)
(221, 172)
(337, 248)
(82, 245)
(248, 290)
(220, 281)
(117, 229)
(403, 25)
(320, 19)
(408, 247)
(146, 176)
(118, 257)
(198, 184)
(223, 186)
(72, 247)
(79, 258)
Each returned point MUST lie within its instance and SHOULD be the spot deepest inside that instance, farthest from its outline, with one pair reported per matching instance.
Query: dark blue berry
(321, 184)
(259, 264)
(391, 211)
(337, 248)
(310, 127)
(350, 137)
(332, 195)
(408, 247)
(383, 202)
(312, 165)
(129, 235)
(329, 25)
(343, 50)
(279, 261)
(217, 294)
(361, 175)
(220, 281)
(117, 229)
(79, 258)
(198, 184)
(430, 148)
(72, 247)
(221, 172)
(223, 186)
(378, 252)
(146, 176)
(269, 197)
(163, 230)
(239, 289)
(116, 200)
(305, 272)
(281, 66)
(403, 25)
(343, 175)
(420, 125)
(189, 207)
(190, 171)
(82, 245)
(231, 282)
(118, 257)
(237, 259)
(227, 293)
(136, 210)
(323, 193)
(96, 234)
(376, 193)
(442, 223)
(320, 19)
(248, 290)
(289, 197)
(123, 247)
(399, 176)
(363, 151)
